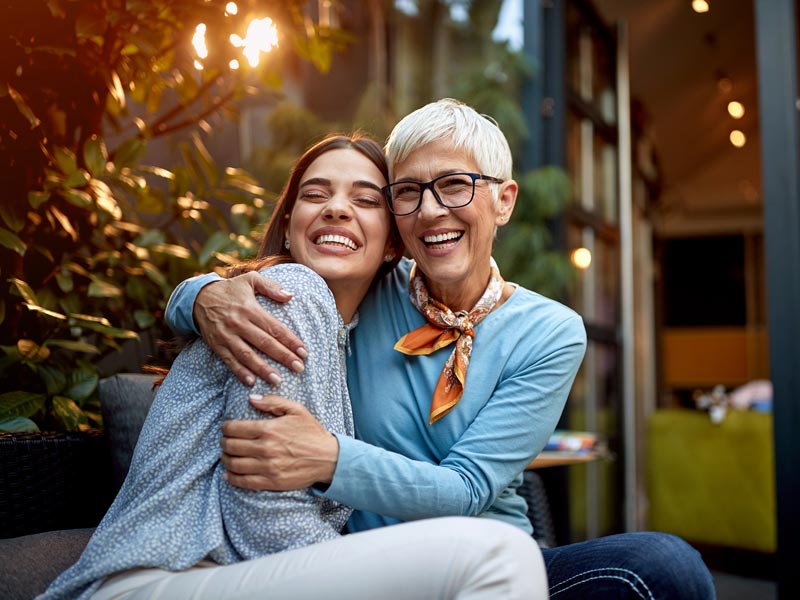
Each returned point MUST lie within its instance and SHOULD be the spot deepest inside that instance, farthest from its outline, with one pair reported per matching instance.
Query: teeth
(336, 239)
(441, 237)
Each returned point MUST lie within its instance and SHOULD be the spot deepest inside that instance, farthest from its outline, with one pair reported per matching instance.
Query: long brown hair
(272, 250)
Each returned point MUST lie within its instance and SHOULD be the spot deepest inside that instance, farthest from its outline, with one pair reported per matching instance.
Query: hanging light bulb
(736, 109)
(700, 6)
(738, 138)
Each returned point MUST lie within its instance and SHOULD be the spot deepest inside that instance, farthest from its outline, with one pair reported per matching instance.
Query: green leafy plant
(93, 237)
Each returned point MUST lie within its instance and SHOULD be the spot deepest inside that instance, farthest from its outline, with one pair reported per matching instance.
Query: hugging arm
(506, 435)
(231, 321)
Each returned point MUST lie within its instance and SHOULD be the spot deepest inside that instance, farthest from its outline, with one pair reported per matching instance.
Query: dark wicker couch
(52, 529)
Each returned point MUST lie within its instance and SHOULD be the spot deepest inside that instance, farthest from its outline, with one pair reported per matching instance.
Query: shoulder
(311, 296)
(531, 313)
(296, 278)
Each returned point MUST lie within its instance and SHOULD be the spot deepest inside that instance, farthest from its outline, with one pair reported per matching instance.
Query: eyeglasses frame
(430, 186)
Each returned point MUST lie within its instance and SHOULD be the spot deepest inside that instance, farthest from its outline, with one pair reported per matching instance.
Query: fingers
(277, 405)
(247, 482)
(267, 287)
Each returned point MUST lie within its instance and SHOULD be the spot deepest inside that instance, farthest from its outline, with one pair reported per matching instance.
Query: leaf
(11, 241)
(65, 281)
(20, 404)
(215, 243)
(32, 351)
(68, 412)
(144, 318)
(36, 199)
(73, 345)
(77, 179)
(81, 383)
(25, 291)
(129, 153)
(77, 198)
(12, 216)
(158, 172)
(205, 160)
(53, 377)
(153, 274)
(172, 250)
(23, 107)
(64, 222)
(114, 332)
(44, 311)
(95, 155)
(18, 425)
(66, 160)
(103, 289)
(90, 319)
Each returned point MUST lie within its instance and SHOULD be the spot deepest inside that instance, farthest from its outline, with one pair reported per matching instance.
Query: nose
(430, 207)
(337, 208)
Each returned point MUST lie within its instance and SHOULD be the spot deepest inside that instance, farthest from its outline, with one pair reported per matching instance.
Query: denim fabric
(641, 566)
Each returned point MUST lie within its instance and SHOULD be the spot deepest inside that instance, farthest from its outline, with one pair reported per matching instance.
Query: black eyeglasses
(453, 190)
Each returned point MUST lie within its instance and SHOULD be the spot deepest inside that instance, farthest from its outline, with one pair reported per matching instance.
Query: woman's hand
(289, 452)
(234, 325)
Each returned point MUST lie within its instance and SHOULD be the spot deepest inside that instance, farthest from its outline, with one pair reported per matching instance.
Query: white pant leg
(451, 557)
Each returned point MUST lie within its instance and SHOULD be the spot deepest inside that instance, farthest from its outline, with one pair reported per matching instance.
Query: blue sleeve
(510, 430)
(180, 307)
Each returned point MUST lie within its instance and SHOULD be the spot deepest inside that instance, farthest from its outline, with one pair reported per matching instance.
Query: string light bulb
(738, 138)
(700, 6)
(736, 109)
(581, 258)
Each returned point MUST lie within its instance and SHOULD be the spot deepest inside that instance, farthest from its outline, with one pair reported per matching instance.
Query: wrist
(329, 457)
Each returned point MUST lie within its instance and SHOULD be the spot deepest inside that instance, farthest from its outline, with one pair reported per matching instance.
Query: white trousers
(450, 557)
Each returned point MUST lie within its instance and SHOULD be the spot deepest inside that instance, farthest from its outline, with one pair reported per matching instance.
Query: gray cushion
(124, 401)
(28, 564)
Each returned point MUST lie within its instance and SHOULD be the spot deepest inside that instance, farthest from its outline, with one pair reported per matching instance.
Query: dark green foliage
(92, 238)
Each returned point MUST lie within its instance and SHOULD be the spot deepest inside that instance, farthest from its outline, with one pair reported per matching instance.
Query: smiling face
(452, 246)
(339, 225)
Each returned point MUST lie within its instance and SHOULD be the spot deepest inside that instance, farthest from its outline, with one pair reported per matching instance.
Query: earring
(286, 243)
(387, 257)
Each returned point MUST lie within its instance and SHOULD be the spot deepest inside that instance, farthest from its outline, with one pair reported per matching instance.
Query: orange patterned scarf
(443, 328)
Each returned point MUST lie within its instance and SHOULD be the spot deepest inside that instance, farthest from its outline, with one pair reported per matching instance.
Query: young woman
(177, 523)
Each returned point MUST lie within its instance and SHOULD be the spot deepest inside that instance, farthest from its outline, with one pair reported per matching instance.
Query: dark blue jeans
(644, 566)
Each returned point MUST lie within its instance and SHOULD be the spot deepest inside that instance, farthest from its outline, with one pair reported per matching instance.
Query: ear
(506, 200)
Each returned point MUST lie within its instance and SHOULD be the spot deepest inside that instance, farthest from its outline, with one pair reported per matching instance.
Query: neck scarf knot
(442, 329)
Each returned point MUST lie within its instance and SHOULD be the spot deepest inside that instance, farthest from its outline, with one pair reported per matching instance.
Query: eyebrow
(360, 183)
(439, 174)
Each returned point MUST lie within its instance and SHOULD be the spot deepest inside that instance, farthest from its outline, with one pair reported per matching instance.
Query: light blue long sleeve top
(175, 509)
(399, 468)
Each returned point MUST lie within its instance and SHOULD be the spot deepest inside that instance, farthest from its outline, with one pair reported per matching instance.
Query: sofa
(28, 563)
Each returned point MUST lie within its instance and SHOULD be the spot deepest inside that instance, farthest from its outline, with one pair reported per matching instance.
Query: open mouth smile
(335, 240)
(442, 240)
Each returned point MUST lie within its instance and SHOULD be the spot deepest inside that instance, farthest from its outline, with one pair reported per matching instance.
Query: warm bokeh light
(738, 138)
(262, 36)
(700, 6)
(736, 109)
(581, 258)
(199, 41)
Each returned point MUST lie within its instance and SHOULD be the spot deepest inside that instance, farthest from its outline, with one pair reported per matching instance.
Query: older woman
(457, 377)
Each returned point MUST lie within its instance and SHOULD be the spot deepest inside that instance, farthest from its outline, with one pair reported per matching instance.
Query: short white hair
(477, 134)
